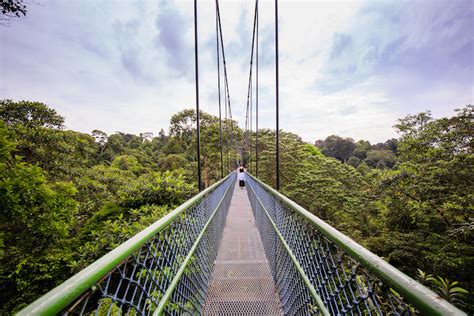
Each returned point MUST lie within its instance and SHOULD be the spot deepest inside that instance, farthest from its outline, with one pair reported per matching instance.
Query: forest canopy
(67, 198)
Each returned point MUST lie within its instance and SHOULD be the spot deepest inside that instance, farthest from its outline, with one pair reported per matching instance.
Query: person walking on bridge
(241, 177)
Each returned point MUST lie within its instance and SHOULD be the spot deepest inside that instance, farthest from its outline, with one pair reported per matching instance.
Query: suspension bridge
(233, 251)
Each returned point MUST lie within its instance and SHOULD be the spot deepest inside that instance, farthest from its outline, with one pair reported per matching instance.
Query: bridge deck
(241, 282)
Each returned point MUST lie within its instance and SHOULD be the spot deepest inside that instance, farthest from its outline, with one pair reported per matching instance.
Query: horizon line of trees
(362, 152)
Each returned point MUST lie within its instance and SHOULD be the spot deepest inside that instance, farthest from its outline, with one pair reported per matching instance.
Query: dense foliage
(380, 155)
(67, 198)
(410, 200)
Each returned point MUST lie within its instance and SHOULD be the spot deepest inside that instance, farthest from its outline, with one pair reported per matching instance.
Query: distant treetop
(11, 9)
(29, 114)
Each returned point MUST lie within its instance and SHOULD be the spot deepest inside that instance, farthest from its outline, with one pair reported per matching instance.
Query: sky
(350, 68)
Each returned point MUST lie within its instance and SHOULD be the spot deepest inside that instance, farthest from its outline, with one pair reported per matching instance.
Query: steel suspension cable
(226, 127)
(196, 65)
(231, 141)
(249, 130)
(277, 99)
(249, 125)
(226, 79)
(223, 57)
(256, 101)
(249, 88)
(219, 93)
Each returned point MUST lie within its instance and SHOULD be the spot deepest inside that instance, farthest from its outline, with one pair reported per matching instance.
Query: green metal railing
(319, 270)
(163, 269)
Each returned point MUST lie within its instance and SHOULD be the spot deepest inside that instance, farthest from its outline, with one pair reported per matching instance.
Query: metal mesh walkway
(241, 282)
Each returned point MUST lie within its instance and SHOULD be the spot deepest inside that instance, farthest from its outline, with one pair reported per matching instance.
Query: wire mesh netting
(241, 283)
(137, 285)
(343, 284)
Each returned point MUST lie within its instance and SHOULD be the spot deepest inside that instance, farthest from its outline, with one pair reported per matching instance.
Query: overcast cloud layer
(350, 68)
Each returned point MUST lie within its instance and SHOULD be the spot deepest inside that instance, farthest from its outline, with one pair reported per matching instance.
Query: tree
(429, 195)
(319, 143)
(162, 135)
(354, 161)
(100, 138)
(11, 9)
(15, 7)
(173, 162)
(147, 136)
(326, 187)
(36, 218)
(40, 139)
(380, 158)
(362, 147)
(127, 162)
(122, 143)
(29, 114)
(392, 145)
(338, 147)
(183, 139)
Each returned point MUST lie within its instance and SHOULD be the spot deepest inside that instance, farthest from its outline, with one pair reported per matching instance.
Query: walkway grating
(241, 282)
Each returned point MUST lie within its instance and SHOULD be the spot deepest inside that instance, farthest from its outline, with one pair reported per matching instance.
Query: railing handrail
(299, 268)
(64, 294)
(425, 300)
(166, 296)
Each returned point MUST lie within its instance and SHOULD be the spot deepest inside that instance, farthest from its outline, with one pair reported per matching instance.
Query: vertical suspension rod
(219, 93)
(226, 80)
(250, 128)
(277, 99)
(226, 83)
(248, 121)
(196, 67)
(256, 102)
(226, 130)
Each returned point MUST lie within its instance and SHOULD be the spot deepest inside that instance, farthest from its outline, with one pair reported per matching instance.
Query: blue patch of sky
(172, 27)
(379, 43)
(267, 47)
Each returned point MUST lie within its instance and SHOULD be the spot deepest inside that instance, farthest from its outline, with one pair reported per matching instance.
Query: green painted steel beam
(174, 283)
(64, 294)
(425, 300)
(322, 308)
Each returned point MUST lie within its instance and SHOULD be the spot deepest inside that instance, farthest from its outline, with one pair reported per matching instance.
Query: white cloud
(128, 66)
